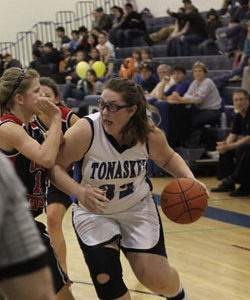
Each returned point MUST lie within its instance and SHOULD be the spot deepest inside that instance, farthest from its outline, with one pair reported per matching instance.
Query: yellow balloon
(99, 68)
(81, 69)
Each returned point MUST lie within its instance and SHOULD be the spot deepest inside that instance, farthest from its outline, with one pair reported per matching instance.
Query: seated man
(179, 88)
(147, 80)
(162, 71)
(236, 148)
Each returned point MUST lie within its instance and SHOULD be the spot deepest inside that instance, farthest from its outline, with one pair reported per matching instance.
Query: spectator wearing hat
(60, 31)
(10, 62)
(102, 21)
(147, 79)
(179, 88)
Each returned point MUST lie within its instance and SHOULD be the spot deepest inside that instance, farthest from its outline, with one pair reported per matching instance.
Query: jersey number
(126, 189)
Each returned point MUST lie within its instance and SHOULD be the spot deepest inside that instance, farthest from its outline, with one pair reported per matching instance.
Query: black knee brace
(104, 260)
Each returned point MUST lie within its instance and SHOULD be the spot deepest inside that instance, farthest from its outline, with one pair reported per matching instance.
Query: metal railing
(44, 31)
(67, 18)
(84, 11)
(24, 47)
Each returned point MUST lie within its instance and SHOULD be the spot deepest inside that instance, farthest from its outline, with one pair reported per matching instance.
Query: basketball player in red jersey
(23, 143)
(57, 202)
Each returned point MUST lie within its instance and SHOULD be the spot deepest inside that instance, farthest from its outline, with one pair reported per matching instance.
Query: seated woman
(89, 86)
(205, 95)
(110, 63)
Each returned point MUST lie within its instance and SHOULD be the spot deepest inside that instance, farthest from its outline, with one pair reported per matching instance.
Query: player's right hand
(47, 107)
(93, 199)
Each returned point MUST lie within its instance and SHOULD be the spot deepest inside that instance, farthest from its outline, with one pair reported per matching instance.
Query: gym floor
(211, 255)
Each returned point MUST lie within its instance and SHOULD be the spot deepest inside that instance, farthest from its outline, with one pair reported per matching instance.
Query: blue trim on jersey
(91, 123)
(114, 143)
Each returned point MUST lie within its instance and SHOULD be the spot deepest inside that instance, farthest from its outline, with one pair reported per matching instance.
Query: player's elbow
(48, 162)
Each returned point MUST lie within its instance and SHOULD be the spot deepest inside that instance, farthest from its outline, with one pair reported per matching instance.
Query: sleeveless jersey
(32, 175)
(121, 171)
(66, 115)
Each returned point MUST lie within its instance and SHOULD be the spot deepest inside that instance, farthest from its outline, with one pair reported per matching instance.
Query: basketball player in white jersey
(116, 210)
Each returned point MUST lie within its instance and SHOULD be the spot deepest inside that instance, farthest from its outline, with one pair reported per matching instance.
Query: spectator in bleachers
(147, 79)
(60, 31)
(74, 42)
(231, 37)
(109, 61)
(83, 32)
(146, 55)
(179, 88)
(93, 56)
(103, 40)
(234, 152)
(91, 42)
(130, 66)
(38, 45)
(88, 86)
(52, 56)
(133, 3)
(70, 68)
(10, 62)
(209, 46)
(223, 80)
(180, 28)
(203, 93)
(37, 61)
(102, 21)
(164, 73)
(118, 14)
(132, 26)
(196, 32)
(246, 78)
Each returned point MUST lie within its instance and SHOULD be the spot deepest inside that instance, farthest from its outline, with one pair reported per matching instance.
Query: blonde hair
(201, 65)
(14, 81)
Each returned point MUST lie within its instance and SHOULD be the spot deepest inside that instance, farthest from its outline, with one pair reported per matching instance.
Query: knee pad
(106, 272)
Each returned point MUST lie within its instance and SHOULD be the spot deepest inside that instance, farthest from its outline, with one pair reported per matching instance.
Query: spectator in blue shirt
(179, 88)
(74, 43)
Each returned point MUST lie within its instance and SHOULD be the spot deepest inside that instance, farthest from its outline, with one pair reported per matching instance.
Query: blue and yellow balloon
(81, 69)
(99, 68)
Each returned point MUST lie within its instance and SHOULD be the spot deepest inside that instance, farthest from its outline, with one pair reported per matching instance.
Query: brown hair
(241, 91)
(47, 81)
(14, 81)
(139, 126)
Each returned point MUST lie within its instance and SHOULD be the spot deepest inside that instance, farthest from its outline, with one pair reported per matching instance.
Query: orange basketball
(184, 200)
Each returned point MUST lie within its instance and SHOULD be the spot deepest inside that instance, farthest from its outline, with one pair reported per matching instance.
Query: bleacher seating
(213, 62)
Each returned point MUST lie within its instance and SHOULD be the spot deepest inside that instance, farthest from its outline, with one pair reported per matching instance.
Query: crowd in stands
(222, 32)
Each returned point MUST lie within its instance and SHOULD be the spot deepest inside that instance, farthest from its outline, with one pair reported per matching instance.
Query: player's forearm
(61, 179)
(177, 167)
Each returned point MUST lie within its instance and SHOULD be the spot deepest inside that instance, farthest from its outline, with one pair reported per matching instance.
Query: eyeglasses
(111, 107)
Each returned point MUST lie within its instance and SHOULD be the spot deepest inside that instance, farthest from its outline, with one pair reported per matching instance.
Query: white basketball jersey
(122, 173)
